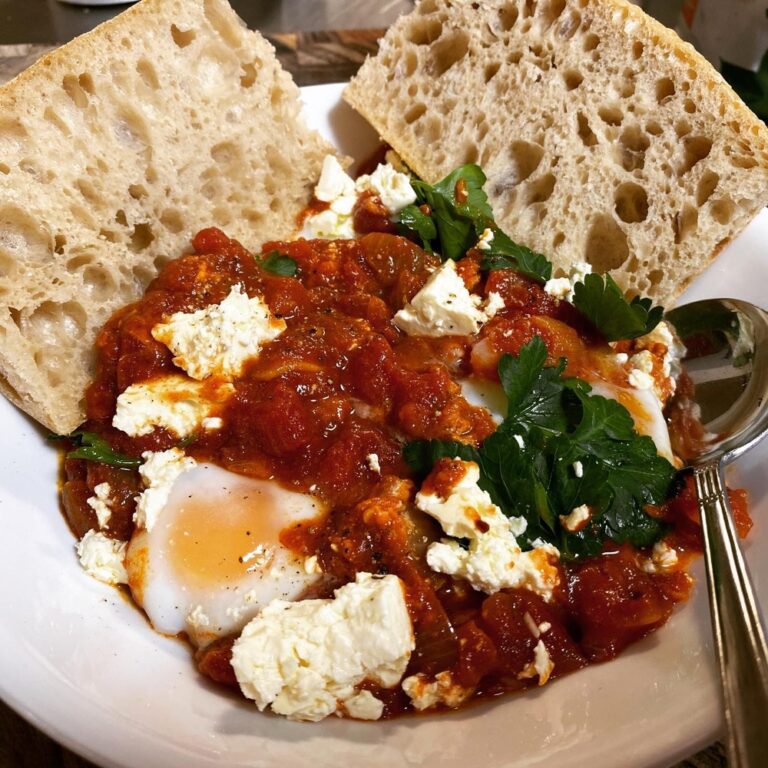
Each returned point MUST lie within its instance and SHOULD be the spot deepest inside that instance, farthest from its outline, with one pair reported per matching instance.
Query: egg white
(213, 558)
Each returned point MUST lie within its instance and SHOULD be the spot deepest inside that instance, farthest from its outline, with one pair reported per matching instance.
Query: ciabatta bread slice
(114, 151)
(604, 137)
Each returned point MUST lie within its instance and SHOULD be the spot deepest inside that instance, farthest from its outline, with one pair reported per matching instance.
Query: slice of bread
(604, 137)
(114, 151)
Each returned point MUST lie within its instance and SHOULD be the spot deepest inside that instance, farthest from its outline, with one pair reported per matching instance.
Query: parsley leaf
(527, 465)
(602, 301)
(92, 447)
(279, 264)
(505, 253)
(751, 86)
(413, 219)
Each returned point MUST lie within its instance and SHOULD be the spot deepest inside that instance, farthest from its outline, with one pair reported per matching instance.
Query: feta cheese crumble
(102, 557)
(663, 558)
(100, 502)
(577, 518)
(494, 559)
(393, 188)
(304, 659)
(159, 472)
(578, 469)
(562, 287)
(219, 339)
(425, 693)
(640, 374)
(485, 240)
(444, 307)
(372, 460)
(174, 403)
(541, 666)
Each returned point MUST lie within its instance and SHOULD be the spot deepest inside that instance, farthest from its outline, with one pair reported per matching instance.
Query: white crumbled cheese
(335, 185)
(312, 565)
(578, 469)
(541, 666)
(99, 503)
(212, 422)
(562, 287)
(671, 365)
(198, 619)
(494, 559)
(174, 402)
(425, 693)
(218, 339)
(363, 706)
(663, 558)
(393, 188)
(304, 659)
(621, 358)
(519, 440)
(545, 626)
(576, 519)
(641, 369)
(443, 307)
(329, 225)
(486, 238)
(533, 628)
(159, 472)
(493, 304)
(102, 557)
(372, 460)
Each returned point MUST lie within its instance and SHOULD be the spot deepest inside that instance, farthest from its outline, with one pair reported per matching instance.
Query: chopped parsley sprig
(527, 465)
(92, 447)
(279, 264)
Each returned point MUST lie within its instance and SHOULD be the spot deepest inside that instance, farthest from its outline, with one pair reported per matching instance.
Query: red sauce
(341, 383)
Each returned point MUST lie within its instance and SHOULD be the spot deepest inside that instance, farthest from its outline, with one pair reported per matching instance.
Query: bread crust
(114, 150)
(604, 136)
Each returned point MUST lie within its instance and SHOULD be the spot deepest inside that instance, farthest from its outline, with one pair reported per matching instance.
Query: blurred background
(53, 21)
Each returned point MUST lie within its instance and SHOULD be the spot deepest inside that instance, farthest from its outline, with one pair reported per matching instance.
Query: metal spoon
(727, 360)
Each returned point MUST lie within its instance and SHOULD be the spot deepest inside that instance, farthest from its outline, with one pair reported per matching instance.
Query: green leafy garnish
(528, 464)
(505, 253)
(413, 219)
(279, 264)
(751, 86)
(602, 301)
(92, 447)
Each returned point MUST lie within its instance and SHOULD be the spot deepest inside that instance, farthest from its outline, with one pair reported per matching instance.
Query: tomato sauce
(341, 383)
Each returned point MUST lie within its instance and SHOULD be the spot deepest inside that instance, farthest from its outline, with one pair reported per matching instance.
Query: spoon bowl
(724, 392)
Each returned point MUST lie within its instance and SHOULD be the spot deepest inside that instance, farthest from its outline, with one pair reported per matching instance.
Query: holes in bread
(606, 245)
(655, 276)
(722, 210)
(98, 282)
(706, 186)
(529, 8)
(689, 106)
(558, 240)
(433, 129)
(248, 78)
(51, 321)
(182, 37)
(572, 79)
(637, 50)
(73, 89)
(414, 113)
(513, 57)
(59, 241)
(172, 220)
(22, 238)
(569, 26)
(633, 143)
(148, 74)
(424, 31)
(653, 128)
(142, 274)
(665, 90)
(410, 63)
(449, 50)
(631, 203)
(540, 190)
(137, 191)
(5, 169)
(686, 222)
(55, 120)
(611, 115)
(626, 86)
(76, 263)
(742, 161)
(141, 237)
(586, 134)
(427, 7)
(224, 22)
(490, 71)
(695, 149)
(682, 128)
(550, 11)
(525, 158)
(469, 154)
(508, 16)
(131, 130)
(88, 191)
(591, 41)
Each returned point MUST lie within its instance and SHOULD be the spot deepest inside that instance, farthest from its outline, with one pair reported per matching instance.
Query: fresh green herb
(92, 447)
(505, 253)
(527, 465)
(751, 86)
(413, 219)
(602, 301)
(279, 264)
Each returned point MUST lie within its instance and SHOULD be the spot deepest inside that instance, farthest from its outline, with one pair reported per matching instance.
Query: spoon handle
(739, 635)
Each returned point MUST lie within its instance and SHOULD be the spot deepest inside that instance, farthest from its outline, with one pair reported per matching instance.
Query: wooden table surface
(312, 57)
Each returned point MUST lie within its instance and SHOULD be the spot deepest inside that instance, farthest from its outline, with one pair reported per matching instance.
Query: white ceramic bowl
(81, 663)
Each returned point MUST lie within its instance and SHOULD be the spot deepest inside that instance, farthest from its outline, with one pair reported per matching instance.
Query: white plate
(82, 664)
